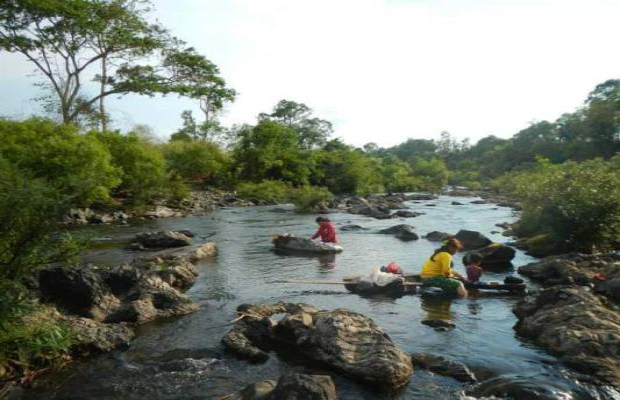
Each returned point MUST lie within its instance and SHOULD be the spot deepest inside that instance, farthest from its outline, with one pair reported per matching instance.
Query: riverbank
(95, 309)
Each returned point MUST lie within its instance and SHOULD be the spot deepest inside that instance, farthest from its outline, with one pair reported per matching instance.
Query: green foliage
(309, 198)
(574, 203)
(270, 151)
(197, 161)
(141, 165)
(34, 341)
(345, 170)
(432, 175)
(110, 40)
(273, 192)
(30, 211)
(79, 166)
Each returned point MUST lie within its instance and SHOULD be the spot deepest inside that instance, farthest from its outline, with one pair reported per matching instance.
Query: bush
(141, 165)
(77, 165)
(197, 161)
(308, 198)
(35, 341)
(273, 192)
(574, 203)
(30, 211)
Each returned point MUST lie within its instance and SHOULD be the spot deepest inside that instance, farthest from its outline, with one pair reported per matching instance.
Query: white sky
(381, 70)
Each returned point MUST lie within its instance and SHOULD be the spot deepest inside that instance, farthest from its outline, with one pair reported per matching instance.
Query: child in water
(472, 267)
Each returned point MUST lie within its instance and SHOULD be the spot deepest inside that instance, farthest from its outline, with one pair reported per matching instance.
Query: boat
(304, 245)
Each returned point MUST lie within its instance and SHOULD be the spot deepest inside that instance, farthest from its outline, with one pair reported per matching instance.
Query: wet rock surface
(576, 325)
(496, 257)
(407, 214)
(403, 232)
(290, 386)
(436, 236)
(519, 387)
(443, 366)
(101, 305)
(351, 227)
(346, 341)
(472, 240)
(163, 239)
(600, 271)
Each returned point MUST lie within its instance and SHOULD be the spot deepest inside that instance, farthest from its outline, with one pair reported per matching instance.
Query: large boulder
(600, 271)
(443, 366)
(79, 291)
(472, 240)
(344, 340)
(289, 387)
(577, 326)
(96, 337)
(496, 257)
(403, 232)
(163, 239)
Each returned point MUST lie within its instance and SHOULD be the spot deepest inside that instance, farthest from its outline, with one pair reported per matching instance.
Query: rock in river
(436, 236)
(495, 257)
(601, 271)
(403, 232)
(290, 386)
(577, 326)
(163, 240)
(407, 214)
(472, 239)
(344, 340)
(443, 366)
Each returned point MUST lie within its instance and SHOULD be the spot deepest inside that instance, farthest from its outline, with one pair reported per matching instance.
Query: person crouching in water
(472, 267)
(326, 230)
(437, 270)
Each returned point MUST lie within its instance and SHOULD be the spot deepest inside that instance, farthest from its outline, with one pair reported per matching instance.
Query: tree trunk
(104, 78)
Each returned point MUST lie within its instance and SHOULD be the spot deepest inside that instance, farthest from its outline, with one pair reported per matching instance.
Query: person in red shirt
(326, 230)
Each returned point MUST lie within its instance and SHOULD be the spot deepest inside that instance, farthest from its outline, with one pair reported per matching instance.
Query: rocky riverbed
(184, 357)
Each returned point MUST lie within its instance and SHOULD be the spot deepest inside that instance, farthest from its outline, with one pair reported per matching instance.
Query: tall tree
(111, 40)
(312, 132)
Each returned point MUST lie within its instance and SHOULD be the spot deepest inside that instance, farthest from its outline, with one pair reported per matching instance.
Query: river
(182, 358)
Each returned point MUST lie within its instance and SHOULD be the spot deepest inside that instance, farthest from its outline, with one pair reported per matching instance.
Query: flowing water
(182, 358)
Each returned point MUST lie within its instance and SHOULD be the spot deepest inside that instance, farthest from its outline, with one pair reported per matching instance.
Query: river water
(182, 358)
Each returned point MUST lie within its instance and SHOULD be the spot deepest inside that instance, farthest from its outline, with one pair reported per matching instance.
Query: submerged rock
(436, 236)
(403, 232)
(291, 386)
(407, 214)
(443, 366)
(346, 341)
(439, 323)
(519, 387)
(577, 326)
(472, 240)
(351, 227)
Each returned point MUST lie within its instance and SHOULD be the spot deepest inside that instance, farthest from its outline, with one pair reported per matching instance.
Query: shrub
(308, 198)
(78, 165)
(197, 161)
(141, 165)
(35, 341)
(575, 203)
(268, 191)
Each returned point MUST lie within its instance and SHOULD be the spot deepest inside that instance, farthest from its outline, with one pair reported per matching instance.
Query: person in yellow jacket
(437, 270)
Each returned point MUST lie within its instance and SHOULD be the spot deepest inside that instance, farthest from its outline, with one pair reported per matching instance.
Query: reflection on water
(436, 307)
(183, 358)
(327, 261)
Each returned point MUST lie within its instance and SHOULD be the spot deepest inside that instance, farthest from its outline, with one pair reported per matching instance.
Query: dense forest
(566, 172)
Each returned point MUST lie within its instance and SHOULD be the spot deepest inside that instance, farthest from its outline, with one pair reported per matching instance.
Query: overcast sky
(381, 70)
